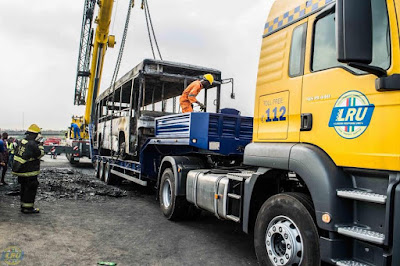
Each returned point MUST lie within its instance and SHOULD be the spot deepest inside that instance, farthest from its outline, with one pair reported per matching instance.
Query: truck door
(278, 94)
(351, 120)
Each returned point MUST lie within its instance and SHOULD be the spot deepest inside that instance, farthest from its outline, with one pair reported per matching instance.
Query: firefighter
(27, 167)
(189, 94)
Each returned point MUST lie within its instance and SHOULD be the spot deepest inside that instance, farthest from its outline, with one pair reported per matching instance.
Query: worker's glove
(202, 107)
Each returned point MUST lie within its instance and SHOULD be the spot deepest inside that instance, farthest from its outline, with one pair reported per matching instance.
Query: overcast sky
(40, 41)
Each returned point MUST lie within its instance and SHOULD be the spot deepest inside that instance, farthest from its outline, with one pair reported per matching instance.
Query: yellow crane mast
(101, 40)
(92, 49)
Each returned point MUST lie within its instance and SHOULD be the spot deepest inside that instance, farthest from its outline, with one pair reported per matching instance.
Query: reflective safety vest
(27, 158)
(10, 147)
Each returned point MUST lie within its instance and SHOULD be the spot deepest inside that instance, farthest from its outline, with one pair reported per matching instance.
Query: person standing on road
(11, 150)
(5, 154)
(27, 167)
(188, 97)
(3, 161)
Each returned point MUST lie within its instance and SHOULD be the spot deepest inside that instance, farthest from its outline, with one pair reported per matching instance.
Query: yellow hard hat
(34, 128)
(209, 77)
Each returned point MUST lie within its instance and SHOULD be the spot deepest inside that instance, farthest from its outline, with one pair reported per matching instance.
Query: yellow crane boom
(93, 48)
(101, 40)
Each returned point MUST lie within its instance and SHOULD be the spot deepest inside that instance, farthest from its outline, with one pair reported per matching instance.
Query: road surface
(83, 221)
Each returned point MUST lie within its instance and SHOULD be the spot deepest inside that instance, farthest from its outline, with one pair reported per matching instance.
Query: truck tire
(101, 170)
(285, 232)
(109, 178)
(173, 207)
(96, 166)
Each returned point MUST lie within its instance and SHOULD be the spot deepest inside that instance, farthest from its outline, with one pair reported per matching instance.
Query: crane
(101, 41)
(90, 77)
(93, 47)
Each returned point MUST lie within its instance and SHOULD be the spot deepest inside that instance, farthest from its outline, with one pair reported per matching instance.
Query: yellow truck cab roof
(286, 12)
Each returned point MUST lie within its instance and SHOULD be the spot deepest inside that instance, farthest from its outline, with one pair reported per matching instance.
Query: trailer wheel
(109, 178)
(285, 232)
(173, 207)
(96, 166)
(101, 170)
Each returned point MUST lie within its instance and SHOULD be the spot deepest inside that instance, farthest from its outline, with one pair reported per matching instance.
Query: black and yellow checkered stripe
(296, 14)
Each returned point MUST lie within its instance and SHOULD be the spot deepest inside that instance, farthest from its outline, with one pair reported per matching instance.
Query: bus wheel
(173, 207)
(285, 232)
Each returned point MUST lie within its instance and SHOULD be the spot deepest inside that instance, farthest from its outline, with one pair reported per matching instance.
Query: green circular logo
(12, 255)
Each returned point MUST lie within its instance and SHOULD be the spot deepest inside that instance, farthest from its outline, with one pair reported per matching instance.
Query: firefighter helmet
(34, 129)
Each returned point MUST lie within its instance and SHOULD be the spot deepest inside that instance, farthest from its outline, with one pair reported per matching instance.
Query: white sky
(40, 41)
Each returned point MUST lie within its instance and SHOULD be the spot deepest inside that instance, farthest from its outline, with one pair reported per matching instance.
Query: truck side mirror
(354, 31)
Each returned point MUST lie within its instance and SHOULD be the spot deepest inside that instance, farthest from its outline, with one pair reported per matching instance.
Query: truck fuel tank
(208, 191)
(217, 191)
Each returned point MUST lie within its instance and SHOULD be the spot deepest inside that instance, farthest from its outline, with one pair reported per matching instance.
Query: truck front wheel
(285, 232)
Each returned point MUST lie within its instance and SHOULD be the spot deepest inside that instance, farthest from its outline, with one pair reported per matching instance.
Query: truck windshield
(324, 54)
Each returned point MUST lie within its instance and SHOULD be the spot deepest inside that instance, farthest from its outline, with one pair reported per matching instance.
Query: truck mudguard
(248, 192)
(319, 173)
(322, 178)
(180, 165)
(277, 156)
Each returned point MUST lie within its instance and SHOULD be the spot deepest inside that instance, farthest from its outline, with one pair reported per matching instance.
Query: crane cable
(121, 49)
(150, 29)
(118, 63)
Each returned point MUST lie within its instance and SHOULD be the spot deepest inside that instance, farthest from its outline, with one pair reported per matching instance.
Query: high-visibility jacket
(27, 158)
(189, 96)
(10, 147)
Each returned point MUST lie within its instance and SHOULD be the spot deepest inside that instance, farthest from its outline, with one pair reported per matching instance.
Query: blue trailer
(137, 137)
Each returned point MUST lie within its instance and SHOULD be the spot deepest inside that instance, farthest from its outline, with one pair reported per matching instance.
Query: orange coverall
(189, 96)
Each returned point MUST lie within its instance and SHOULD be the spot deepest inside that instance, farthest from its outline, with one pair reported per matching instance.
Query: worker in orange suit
(188, 97)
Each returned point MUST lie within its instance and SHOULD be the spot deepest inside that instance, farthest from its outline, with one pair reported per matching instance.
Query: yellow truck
(327, 100)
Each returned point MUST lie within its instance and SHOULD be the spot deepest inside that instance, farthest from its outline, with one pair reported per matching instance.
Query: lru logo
(351, 115)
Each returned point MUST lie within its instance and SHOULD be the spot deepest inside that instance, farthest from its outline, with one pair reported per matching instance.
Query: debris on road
(67, 183)
(72, 184)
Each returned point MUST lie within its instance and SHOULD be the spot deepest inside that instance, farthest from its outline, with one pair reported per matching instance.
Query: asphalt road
(78, 226)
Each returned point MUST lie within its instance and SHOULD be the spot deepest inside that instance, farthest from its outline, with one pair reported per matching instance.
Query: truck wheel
(173, 207)
(101, 170)
(285, 232)
(109, 178)
(96, 166)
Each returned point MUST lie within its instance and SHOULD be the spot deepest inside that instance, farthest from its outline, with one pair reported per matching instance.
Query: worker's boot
(29, 210)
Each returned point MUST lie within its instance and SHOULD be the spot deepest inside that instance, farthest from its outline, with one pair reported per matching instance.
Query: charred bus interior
(126, 112)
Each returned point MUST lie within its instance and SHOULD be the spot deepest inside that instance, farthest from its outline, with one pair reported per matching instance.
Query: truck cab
(327, 96)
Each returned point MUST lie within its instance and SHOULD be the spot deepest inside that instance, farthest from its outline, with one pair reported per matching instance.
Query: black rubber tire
(71, 159)
(101, 170)
(96, 166)
(178, 206)
(109, 178)
(299, 208)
